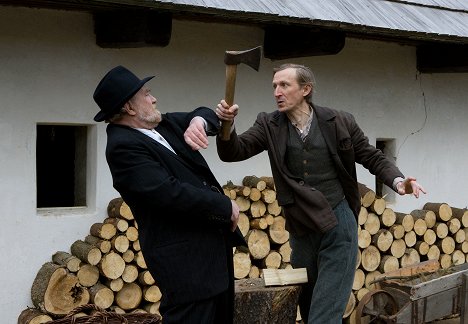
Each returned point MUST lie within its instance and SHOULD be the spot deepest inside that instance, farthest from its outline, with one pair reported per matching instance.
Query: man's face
(145, 106)
(288, 93)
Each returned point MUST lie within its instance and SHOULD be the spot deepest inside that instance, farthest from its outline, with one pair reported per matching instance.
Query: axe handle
(231, 71)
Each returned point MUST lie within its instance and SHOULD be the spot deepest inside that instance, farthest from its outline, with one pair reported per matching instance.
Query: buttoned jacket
(306, 209)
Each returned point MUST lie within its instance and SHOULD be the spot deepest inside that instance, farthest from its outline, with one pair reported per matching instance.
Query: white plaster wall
(50, 66)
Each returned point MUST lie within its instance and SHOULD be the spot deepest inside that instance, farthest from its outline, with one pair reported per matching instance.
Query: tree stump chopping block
(255, 303)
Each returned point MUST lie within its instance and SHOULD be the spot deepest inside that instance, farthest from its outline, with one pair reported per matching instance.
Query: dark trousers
(330, 259)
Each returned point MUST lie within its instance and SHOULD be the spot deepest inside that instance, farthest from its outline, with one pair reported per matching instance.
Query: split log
(388, 217)
(270, 219)
(410, 239)
(441, 230)
(364, 238)
(359, 279)
(277, 231)
(388, 263)
(88, 275)
(101, 296)
(268, 196)
(367, 195)
(454, 225)
(129, 297)
(274, 209)
(427, 215)
(442, 210)
(71, 262)
(433, 253)
(255, 194)
(398, 248)
(270, 304)
(258, 223)
(370, 258)
(103, 245)
(145, 278)
(285, 251)
(406, 220)
(272, 260)
(118, 208)
(370, 279)
(257, 208)
(458, 257)
(420, 227)
(243, 223)
(254, 182)
(104, 231)
(463, 246)
(132, 233)
(57, 292)
(361, 293)
(460, 236)
(243, 203)
(130, 273)
(378, 206)
(120, 243)
(269, 181)
(383, 240)
(397, 230)
(350, 306)
(422, 247)
(372, 224)
(86, 252)
(254, 272)
(362, 217)
(430, 236)
(114, 284)
(128, 256)
(242, 264)
(119, 223)
(33, 316)
(111, 265)
(410, 257)
(152, 293)
(140, 260)
(152, 308)
(445, 261)
(446, 245)
(461, 215)
(258, 244)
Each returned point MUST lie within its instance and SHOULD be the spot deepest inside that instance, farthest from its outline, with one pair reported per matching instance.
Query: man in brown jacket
(313, 151)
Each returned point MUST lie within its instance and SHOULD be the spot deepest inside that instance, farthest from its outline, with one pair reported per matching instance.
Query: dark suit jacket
(182, 215)
(305, 208)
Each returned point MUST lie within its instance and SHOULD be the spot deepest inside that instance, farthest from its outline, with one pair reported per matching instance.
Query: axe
(250, 57)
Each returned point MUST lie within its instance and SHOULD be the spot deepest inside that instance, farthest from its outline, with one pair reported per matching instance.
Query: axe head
(250, 57)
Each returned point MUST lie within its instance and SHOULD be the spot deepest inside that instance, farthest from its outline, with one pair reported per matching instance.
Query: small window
(61, 166)
(387, 146)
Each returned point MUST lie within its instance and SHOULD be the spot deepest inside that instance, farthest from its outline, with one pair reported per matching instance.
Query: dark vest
(311, 161)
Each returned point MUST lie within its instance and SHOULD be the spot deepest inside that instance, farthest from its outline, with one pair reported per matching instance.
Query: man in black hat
(187, 227)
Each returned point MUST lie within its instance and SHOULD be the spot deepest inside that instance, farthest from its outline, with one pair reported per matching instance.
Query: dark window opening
(61, 166)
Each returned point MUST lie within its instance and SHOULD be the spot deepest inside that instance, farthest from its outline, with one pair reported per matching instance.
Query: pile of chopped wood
(107, 268)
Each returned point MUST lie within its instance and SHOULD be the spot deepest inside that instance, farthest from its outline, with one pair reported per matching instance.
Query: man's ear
(306, 89)
(129, 108)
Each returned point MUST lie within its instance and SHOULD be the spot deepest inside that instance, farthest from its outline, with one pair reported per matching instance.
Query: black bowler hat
(115, 89)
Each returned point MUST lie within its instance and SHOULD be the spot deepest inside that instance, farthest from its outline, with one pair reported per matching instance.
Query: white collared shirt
(157, 137)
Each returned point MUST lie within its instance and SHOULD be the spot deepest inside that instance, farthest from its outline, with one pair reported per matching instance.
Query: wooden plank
(281, 277)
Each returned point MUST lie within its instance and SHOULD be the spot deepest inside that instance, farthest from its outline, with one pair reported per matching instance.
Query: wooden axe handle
(231, 71)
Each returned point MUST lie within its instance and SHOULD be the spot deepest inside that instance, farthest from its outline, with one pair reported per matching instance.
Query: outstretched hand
(195, 135)
(224, 112)
(408, 186)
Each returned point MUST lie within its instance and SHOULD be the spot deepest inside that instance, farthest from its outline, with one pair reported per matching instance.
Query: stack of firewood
(107, 269)
(263, 226)
(390, 240)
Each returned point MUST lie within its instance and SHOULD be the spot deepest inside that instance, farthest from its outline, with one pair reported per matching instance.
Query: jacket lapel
(327, 125)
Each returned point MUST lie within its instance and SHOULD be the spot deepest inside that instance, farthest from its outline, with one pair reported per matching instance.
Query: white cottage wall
(50, 65)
